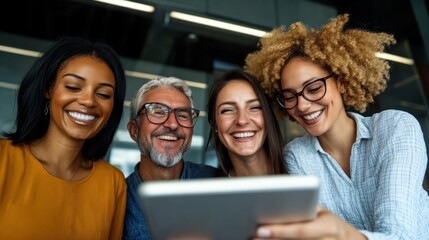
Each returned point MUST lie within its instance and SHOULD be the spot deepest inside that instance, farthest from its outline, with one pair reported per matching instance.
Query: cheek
(108, 107)
(331, 98)
(260, 120)
(146, 130)
(188, 133)
(222, 125)
(221, 129)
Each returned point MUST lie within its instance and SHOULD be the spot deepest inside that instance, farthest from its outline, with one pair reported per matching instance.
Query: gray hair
(172, 82)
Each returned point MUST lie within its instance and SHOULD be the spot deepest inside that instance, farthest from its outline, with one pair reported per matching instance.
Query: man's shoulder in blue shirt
(135, 226)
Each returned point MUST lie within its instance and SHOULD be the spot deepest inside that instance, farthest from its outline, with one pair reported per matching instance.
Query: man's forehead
(168, 96)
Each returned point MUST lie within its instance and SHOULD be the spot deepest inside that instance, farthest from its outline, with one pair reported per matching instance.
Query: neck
(66, 164)
(254, 165)
(56, 152)
(338, 142)
(341, 136)
(150, 171)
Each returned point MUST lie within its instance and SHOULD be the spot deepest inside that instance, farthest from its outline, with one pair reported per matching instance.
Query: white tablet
(226, 208)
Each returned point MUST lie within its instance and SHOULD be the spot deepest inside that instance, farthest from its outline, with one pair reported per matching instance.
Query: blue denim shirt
(135, 226)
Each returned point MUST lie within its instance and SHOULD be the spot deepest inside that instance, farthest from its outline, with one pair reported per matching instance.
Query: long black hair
(274, 142)
(31, 122)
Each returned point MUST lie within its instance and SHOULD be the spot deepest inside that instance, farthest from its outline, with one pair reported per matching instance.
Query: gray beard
(163, 160)
(159, 158)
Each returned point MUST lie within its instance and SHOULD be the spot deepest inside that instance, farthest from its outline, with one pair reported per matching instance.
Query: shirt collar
(362, 128)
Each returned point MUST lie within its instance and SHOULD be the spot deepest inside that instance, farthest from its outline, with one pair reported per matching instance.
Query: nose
(88, 98)
(171, 121)
(302, 104)
(242, 118)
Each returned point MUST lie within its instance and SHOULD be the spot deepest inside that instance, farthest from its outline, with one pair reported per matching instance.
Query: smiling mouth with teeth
(312, 116)
(82, 117)
(168, 138)
(243, 134)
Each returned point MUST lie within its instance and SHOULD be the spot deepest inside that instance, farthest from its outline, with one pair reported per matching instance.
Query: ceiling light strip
(141, 75)
(20, 51)
(129, 4)
(217, 24)
(149, 76)
(395, 58)
(9, 85)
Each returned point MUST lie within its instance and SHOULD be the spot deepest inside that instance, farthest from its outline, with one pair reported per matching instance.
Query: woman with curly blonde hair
(371, 168)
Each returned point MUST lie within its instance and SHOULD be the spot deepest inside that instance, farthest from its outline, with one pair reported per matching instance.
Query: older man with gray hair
(162, 139)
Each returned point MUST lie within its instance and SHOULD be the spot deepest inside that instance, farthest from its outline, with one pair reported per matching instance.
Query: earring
(46, 111)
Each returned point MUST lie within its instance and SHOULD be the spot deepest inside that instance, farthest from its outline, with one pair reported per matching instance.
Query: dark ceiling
(134, 34)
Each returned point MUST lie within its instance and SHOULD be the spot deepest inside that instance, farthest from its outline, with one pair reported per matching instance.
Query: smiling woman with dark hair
(244, 130)
(53, 182)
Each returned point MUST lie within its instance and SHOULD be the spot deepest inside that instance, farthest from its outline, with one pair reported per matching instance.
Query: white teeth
(167, 137)
(82, 117)
(243, 134)
(312, 116)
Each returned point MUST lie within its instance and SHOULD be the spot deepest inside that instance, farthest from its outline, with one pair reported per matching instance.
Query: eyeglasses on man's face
(312, 91)
(158, 113)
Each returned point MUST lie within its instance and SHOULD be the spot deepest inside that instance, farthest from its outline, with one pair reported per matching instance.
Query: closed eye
(104, 95)
(72, 88)
(255, 108)
(227, 111)
(314, 90)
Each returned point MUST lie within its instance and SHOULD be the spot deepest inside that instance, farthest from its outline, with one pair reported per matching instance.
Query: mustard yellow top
(37, 205)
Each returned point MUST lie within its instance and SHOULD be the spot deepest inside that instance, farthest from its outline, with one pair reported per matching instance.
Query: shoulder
(108, 170)
(7, 144)
(13, 159)
(386, 122)
(196, 170)
(133, 180)
(105, 166)
(9, 152)
(393, 114)
(393, 117)
(300, 144)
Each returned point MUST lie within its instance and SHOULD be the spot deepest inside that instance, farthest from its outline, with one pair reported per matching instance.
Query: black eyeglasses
(312, 92)
(158, 113)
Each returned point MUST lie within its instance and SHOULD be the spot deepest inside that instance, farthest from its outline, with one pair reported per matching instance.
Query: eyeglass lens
(158, 113)
(313, 91)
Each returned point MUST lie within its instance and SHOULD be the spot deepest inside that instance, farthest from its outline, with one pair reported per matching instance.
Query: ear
(48, 94)
(133, 129)
(341, 86)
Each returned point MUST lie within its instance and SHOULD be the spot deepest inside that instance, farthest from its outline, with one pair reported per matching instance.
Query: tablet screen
(226, 208)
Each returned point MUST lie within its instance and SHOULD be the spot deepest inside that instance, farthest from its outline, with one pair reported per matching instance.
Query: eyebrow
(83, 79)
(311, 80)
(234, 103)
(305, 83)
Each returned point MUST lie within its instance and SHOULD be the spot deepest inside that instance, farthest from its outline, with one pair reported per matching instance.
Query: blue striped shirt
(383, 197)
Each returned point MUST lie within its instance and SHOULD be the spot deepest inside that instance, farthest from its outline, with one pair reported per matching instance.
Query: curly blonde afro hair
(349, 54)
